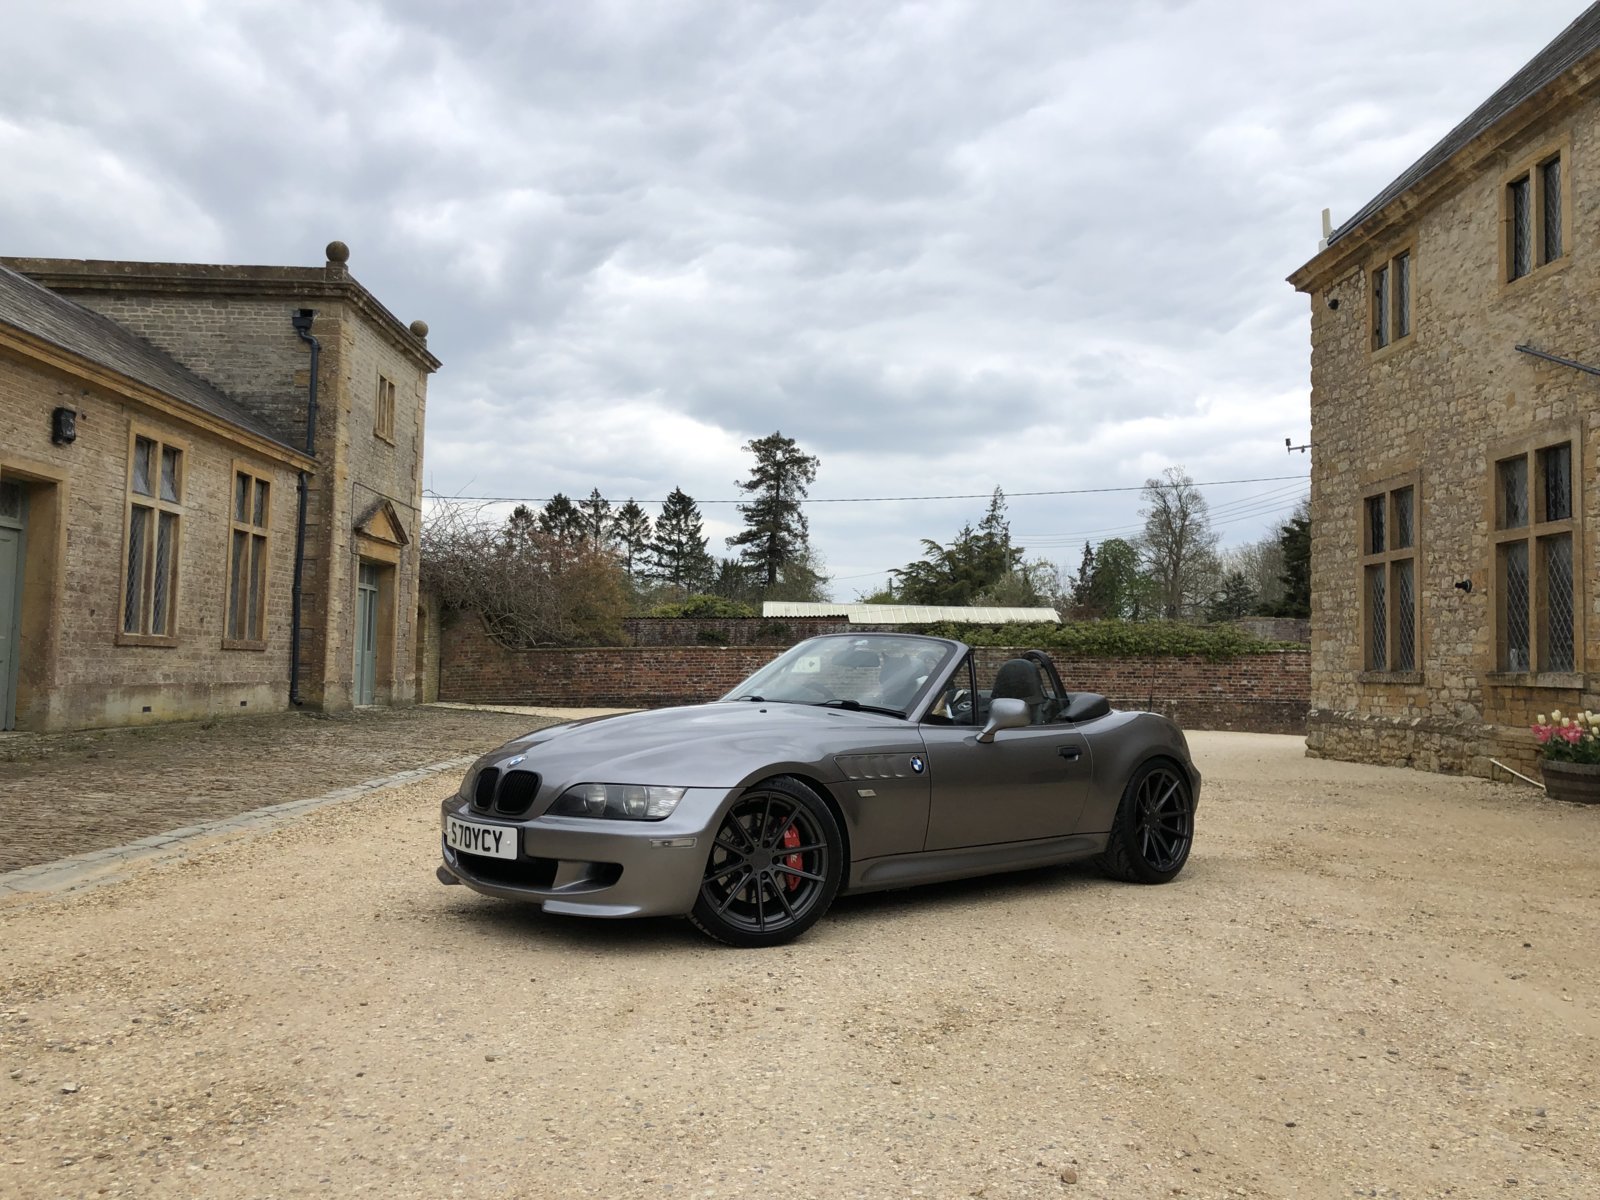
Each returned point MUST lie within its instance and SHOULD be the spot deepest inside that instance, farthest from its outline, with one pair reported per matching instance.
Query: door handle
(1070, 753)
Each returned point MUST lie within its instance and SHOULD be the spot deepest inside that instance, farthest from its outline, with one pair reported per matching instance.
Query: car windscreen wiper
(857, 706)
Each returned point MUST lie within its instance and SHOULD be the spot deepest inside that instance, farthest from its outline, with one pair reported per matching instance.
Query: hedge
(1111, 639)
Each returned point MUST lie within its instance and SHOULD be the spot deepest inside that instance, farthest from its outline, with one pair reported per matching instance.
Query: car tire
(1154, 826)
(775, 865)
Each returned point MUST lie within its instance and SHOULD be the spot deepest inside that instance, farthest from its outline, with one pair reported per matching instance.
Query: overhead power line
(432, 495)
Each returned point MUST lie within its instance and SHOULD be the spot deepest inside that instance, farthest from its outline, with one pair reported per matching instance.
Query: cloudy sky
(945, 245)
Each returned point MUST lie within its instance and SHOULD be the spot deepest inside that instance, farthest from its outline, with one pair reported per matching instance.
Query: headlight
(469, 781)
(619, 801)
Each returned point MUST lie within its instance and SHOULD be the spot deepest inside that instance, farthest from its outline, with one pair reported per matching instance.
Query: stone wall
(1263, 693)
(76, 668)
(1437, 410)
(232, 326)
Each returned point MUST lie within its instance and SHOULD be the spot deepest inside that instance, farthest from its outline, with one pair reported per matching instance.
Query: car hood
(706, 745)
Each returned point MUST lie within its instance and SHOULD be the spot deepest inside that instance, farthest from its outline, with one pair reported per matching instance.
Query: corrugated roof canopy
(907, 614)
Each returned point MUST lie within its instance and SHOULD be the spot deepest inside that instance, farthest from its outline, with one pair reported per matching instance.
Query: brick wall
(729, 631)
(1436, 412)
(1264, 693)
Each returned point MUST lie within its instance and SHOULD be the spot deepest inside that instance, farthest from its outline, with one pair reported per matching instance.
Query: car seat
(1018, 679)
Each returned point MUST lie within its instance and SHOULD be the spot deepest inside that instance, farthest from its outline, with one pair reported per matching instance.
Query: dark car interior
(1031, 679)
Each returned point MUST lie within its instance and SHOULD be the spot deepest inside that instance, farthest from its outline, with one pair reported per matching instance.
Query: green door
(366, 634)
(10, 591)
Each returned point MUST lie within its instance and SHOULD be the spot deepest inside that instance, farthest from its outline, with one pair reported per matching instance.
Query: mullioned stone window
(245, 624)
(1535, 205)
(1389, 550)
(1536, 543)
(151, 546)
(383, 416)
(1391, 289)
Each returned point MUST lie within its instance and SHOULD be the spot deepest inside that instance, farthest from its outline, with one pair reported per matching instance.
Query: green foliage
(595, 516)
(631, 529)
(1294, 538)
(1235, 599)
(560, 518)
(977, 561)
(1110, 639)
(704, 606)
(1111, 584)
(677, 554)
(776, 530)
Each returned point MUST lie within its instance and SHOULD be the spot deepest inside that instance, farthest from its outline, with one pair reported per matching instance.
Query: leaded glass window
(1555, 469)
(1520, 201)
(1550, 185)
(1513, 493)
(1380, 307)
(1402, 295)
(154, 546)
(247, 561)
(1536, 593)
(1389, 588)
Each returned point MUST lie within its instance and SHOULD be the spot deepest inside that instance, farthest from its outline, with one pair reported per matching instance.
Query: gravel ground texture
(67, 793)
(1368, 982)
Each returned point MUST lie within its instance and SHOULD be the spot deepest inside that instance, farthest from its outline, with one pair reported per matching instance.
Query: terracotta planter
(1579, 782)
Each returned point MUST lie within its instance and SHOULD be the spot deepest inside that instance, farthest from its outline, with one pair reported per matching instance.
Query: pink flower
(1541, 734)
(1573, 734)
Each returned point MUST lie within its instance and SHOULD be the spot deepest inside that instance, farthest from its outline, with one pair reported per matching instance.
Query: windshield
(876, 672)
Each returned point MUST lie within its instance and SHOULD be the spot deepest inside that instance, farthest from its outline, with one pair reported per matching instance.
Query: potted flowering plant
(1569, 755)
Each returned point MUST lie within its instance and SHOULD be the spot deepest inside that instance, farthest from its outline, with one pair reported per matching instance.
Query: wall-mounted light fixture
(1465, 585)
(64, 426)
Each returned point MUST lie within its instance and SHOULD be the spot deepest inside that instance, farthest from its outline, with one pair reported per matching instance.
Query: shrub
(704, 606)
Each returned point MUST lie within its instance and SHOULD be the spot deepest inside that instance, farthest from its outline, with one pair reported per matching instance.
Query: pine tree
(677, 553)
(775, 527)
(560, 518)
(594, 515)
(518, 535)
(631, 529)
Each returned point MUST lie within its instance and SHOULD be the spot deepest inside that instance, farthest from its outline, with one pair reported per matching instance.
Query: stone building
(1455, 413)
(210, 481)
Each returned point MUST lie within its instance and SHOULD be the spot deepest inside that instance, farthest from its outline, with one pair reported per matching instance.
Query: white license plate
(491, 841)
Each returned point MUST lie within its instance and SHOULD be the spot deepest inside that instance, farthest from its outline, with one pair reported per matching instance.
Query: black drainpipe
(302, 327)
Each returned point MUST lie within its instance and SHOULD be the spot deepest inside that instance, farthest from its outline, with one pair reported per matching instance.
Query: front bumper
(594, 867)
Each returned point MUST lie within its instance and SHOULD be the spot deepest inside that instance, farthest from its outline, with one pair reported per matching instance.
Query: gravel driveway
(1368, 982)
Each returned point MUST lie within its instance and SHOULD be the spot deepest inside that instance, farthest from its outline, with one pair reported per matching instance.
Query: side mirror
(1005, 713)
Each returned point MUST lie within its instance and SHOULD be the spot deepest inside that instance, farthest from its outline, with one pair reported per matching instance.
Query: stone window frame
(1397, 315)
(383, 410)
(1389, 559)
(1531, 168)
(159, 507)
(257, 538)
(1532, 534)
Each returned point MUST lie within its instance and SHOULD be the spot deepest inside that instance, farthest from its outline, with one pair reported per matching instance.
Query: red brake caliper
(791, 837)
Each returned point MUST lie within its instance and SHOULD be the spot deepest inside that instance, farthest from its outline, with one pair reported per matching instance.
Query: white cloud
(945, 244)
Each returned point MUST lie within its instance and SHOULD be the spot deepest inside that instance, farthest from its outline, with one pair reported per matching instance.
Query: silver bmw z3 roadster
(851, 763)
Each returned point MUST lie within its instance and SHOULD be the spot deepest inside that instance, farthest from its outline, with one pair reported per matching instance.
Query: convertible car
(851, 763)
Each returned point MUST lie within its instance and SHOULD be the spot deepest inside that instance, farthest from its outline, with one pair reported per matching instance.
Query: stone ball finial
(420, 329)
(338, 252)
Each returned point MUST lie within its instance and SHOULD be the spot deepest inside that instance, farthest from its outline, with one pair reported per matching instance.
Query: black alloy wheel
(1154, 826)
(774, 867)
